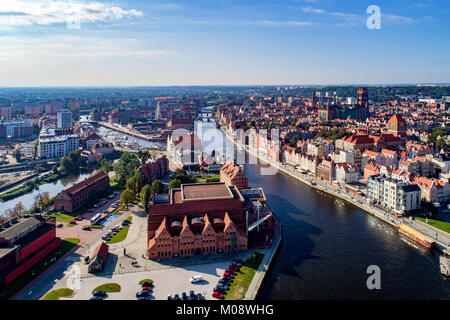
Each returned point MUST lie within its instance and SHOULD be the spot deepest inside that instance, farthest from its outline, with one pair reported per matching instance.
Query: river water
(52, 188)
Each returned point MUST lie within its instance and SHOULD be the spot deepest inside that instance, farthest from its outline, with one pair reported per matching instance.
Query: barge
(416, 236)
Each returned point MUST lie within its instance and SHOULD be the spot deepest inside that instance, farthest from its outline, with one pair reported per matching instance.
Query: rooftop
(201, 191)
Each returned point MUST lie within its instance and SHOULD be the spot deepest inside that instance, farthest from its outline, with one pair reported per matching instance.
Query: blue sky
(221, 42)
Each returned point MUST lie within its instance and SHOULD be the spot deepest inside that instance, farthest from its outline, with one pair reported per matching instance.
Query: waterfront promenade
(442, 239)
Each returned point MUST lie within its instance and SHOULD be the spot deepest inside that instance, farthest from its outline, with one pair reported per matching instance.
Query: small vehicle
(220, 290)
(227, 274)
(59, 225)
(200, 296)
(176, 297)
(86, 228)
(86, 260)
(192, 295)
(79, 218)
(196, 279)
(147, 289)
(125, 223)
(184, 296)
(99, 294)
(223, 286)
(143, 293)
(118, 227)
(106, 237)
(96, 298)
(146, 284)
(73, 222)
(217, 295)
(115, 229)
(238, 261)
(169, 297)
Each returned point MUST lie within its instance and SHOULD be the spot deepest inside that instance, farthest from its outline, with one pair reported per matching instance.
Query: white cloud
(47, 12)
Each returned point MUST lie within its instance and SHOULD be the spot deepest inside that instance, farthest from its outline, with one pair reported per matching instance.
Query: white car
(196, 279)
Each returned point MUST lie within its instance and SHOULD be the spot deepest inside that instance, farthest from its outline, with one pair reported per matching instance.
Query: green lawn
(444, 226)
(58, 293)
(108, 287)
(243, 277)
(213, 178)
(34, 272)
(121, 235)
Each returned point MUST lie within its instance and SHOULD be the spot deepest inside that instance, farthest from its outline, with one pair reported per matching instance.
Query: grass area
(444, 226)
(17, 285)
(65, 217)
(243, 277)
(121, 235)
(213, 178)
(108, 287)
(145, 280)
(58, 293)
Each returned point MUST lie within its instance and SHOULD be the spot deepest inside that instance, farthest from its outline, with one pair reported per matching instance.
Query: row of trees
(41, 201)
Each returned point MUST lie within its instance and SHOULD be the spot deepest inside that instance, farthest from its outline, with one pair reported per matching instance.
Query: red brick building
(81, 193)
(154, 170)
(201, 219)
(233, 175)
(23, 243)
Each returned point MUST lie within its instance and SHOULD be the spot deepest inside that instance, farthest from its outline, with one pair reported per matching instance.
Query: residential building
(80, 194)
(393, 195)
(64, 119)
(51, 147)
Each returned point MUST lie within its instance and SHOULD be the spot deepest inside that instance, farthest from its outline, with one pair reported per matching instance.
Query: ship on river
(416, 236)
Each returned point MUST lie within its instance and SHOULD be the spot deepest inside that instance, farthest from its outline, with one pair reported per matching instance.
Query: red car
(147, 289)
(232, 268)
(79, 218)
(115, 229)
(217, 295)
(73, 222)
(227, 274)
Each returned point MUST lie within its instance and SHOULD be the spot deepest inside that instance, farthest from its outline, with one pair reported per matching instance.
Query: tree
(294, 140)
(17, 155)
(175, 183)
(143, 156)
(127, 196)
(145, 196)
(19, 209)
(107, 165)
(157, 187)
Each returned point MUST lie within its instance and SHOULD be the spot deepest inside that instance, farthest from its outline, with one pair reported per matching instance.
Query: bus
(95, 219)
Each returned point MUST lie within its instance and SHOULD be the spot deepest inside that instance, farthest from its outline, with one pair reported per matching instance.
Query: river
(52, 188)
(328, 244)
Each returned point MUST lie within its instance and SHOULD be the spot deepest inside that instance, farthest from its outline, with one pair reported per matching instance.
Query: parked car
(59, 225)
(217, 295)
(223, 286)
(196, 279)
(220, 290)
(227, 274)
(73, 222)
(184, 296)
(146, 284)
(192, 295)
(100, 293)
(176, 297)
(79, 218)
(200, 296)
(106, 237)
(238, 261)
(143, 293)
(86, 228)
(96, 298)
(125, 223)
(169, 297)
(147, 289)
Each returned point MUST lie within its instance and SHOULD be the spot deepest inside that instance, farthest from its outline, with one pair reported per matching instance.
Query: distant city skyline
(130, 43)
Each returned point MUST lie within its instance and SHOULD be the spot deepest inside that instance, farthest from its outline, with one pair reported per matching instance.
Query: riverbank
(269, 256)
(442, 242)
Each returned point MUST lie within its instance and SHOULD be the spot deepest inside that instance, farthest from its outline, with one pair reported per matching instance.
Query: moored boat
(416, 236)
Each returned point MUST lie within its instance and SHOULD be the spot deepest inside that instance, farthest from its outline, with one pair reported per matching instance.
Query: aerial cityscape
(136, 163)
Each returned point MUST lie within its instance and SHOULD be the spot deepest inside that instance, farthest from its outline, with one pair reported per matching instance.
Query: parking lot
(166, 281)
